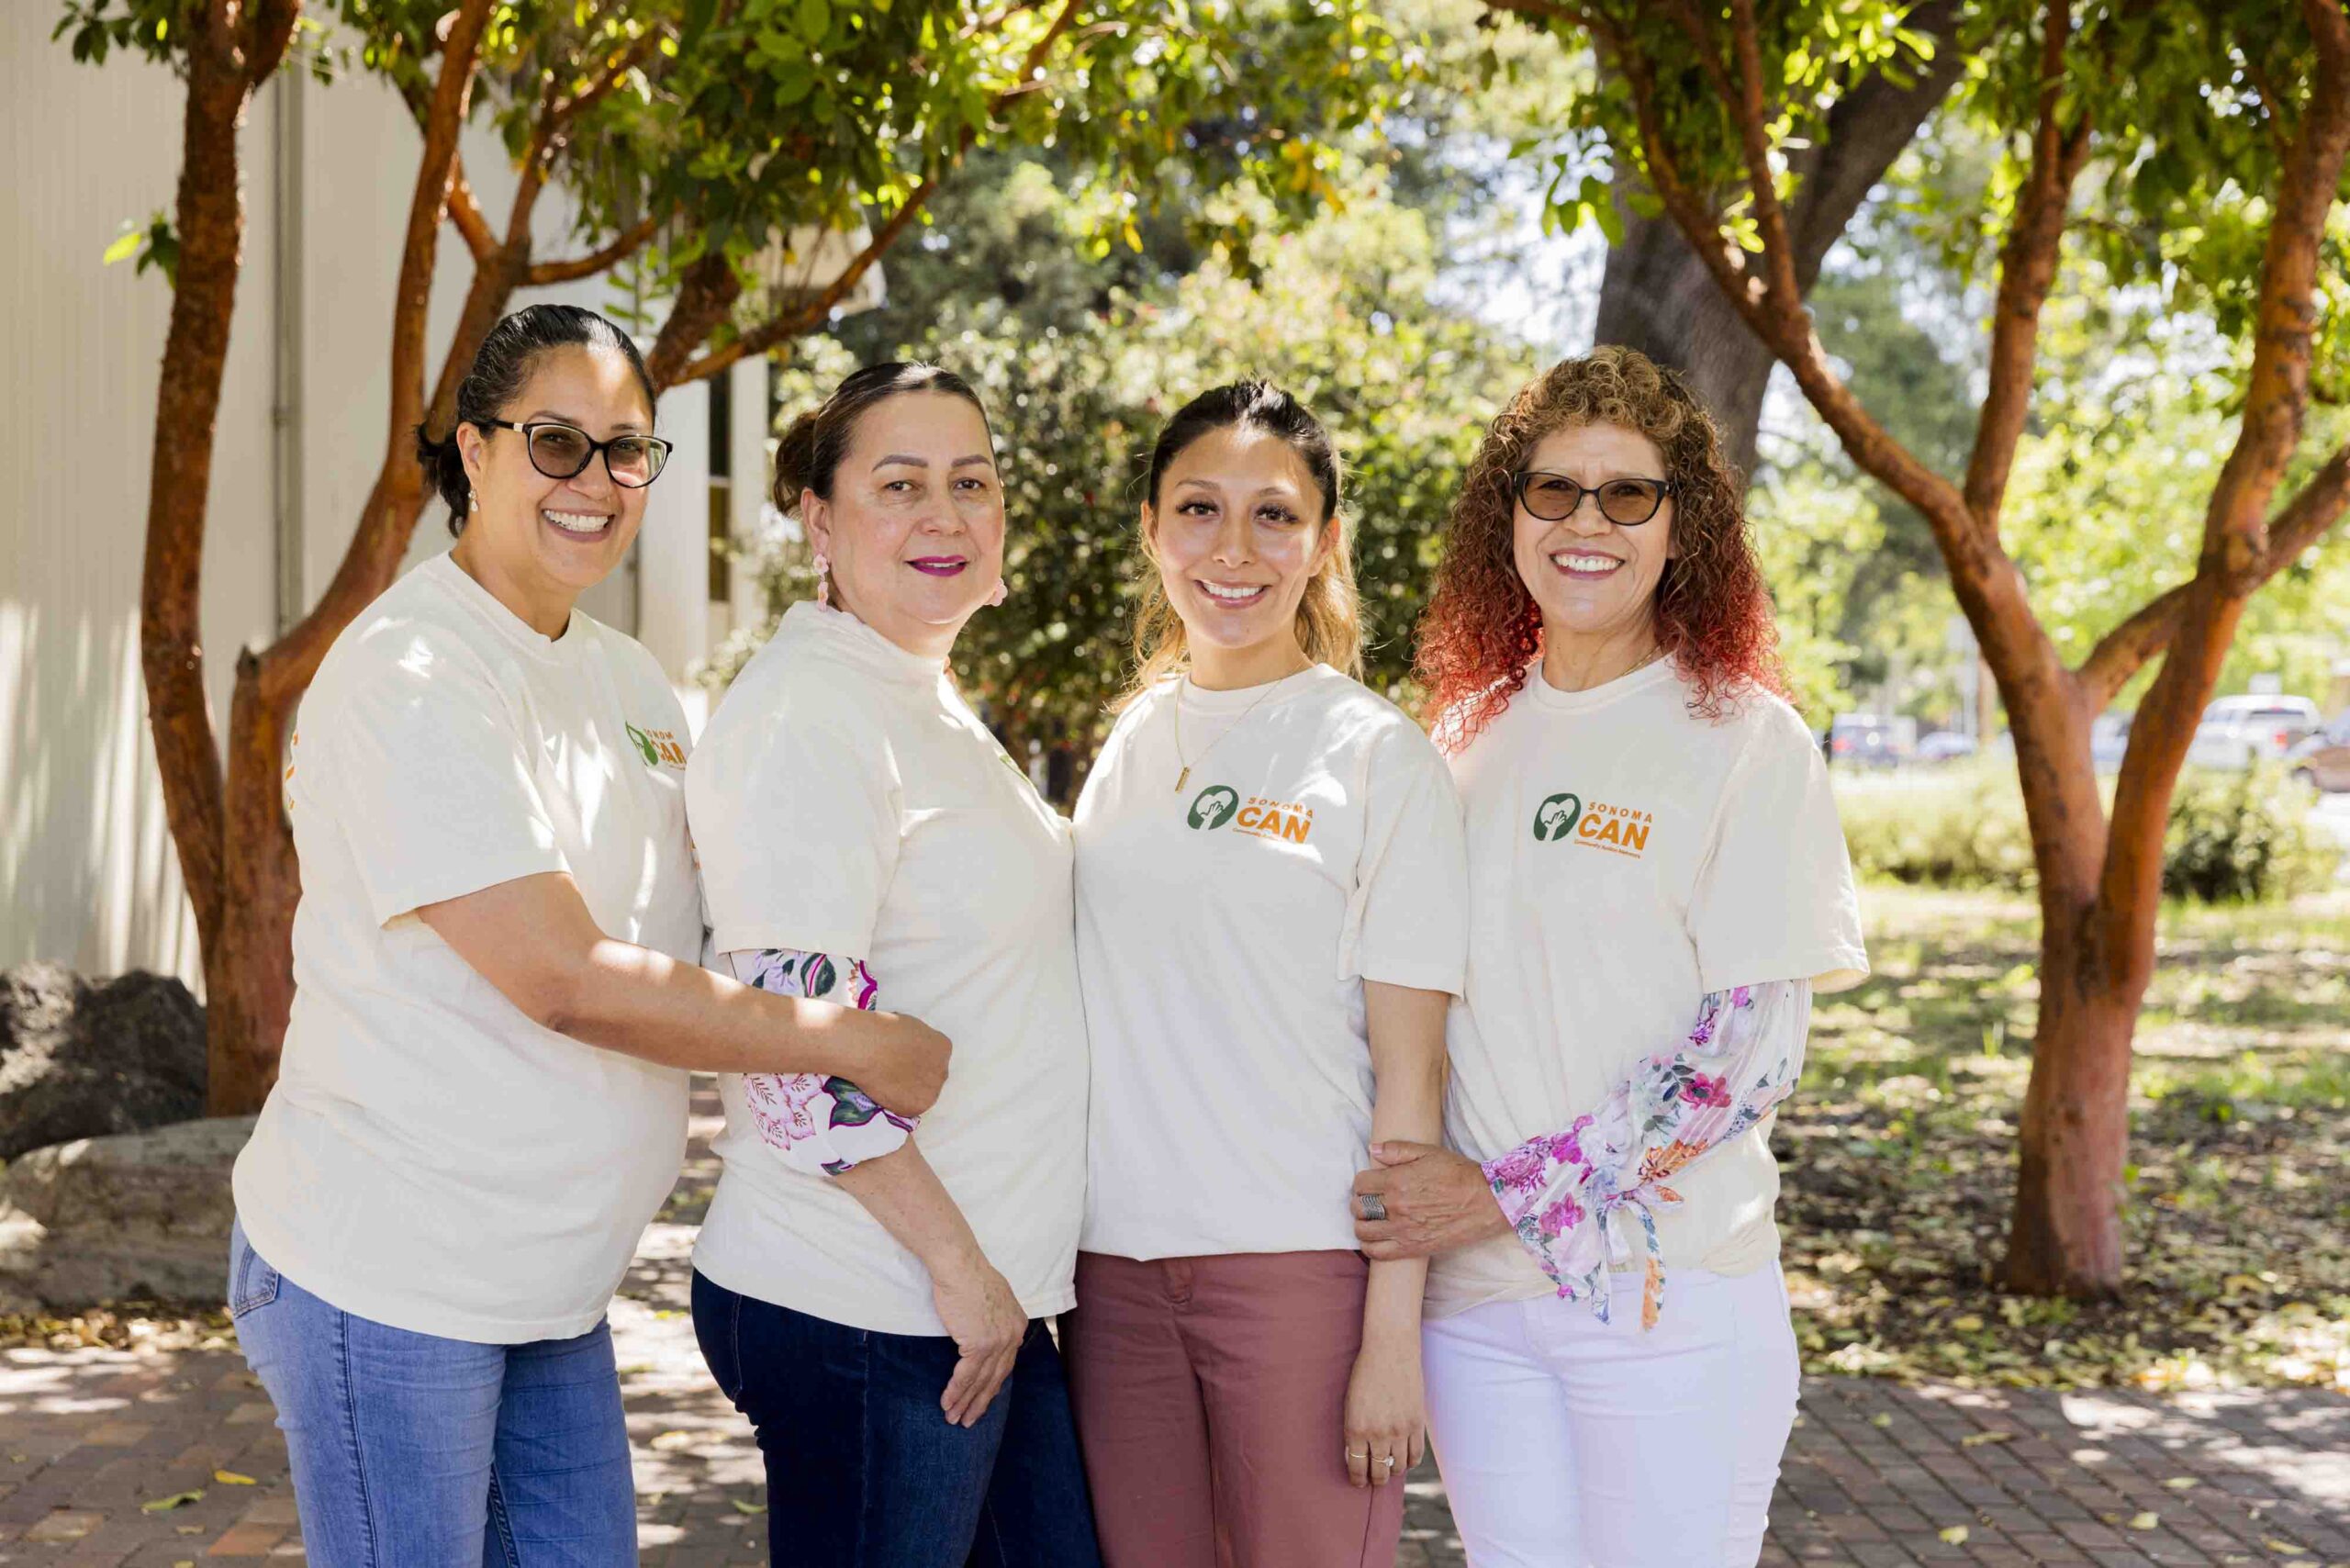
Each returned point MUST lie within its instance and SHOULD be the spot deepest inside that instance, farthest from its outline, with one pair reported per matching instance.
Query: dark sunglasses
(1554, 498)
(564, 451)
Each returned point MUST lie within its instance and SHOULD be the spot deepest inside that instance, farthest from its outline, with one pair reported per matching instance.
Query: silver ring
(1373, 1206)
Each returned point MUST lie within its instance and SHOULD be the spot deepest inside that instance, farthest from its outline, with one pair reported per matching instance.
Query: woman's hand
(1386, 1410)
(902, 1062)
(987, 1324)
(1435, 1200)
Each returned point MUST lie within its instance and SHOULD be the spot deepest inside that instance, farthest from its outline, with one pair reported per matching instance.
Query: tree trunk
(2064, 1236)
(210, 216)
(248, 969)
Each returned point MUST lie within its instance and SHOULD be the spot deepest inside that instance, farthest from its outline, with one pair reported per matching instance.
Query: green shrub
(1960, 826)
(2243, 836)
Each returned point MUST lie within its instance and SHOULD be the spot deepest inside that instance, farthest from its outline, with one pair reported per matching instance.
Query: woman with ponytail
(482, 1096)
(874, 1293)
(1272, 921)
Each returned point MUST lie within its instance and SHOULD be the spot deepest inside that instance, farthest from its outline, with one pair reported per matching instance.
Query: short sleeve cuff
(1828, 969)
(423, 885)
(1416, 976)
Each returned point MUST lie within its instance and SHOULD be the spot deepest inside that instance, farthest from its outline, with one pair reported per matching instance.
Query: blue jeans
(411, 1451)
(865, 1471)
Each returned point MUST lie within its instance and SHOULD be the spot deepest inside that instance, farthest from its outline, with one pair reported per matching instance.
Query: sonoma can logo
(658, 748)
(1555, 816)
(1213, 807)
(1623, 830)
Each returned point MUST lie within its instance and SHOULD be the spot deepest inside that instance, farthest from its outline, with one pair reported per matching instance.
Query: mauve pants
(1211, 1395)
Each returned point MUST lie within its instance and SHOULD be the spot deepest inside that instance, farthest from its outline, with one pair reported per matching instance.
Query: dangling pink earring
(1002, 592)
(823, 578)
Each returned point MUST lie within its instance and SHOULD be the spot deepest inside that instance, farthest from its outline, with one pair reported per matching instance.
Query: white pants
(1569, 1443)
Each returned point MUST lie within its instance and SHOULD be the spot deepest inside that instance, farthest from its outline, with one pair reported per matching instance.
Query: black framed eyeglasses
(563, 451)
(1554, 498)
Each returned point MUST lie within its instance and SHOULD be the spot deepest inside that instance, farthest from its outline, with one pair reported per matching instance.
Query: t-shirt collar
(1198, 699)
(1639, 680)
(503, 622)
(847, 637)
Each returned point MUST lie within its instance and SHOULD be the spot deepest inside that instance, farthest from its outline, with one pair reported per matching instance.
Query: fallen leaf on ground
(743, 1507)
(1881, 1418)
(1976, 1440)
(2145, 1521)
(670, 1443)
(2182, 1483)
(231, 1478)
(176, 1500)
(2286, 1547)
(1955, 1535)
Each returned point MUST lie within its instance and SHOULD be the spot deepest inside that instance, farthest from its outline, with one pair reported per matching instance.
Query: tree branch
(375, 550)
(542, 274)
(2240, 546)
(808, 315)
(466, 214)
(2028, 263)
(635, 55)
(1753, 135)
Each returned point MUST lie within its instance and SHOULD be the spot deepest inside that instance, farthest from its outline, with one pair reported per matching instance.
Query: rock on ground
(138, 1216)
(83, 1061)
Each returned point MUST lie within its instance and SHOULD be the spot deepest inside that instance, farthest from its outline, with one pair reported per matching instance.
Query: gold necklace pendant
(1181, 778)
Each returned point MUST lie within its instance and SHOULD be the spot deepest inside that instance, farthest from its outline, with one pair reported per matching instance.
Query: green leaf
(125, 244)
(815, 20)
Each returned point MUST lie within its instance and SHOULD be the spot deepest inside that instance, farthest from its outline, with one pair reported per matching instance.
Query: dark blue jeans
(865, 1471)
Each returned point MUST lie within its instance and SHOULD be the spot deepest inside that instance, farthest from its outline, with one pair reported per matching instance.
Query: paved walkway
(96, 1445)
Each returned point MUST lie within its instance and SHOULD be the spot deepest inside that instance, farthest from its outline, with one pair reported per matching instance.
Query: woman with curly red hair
(1658, 886)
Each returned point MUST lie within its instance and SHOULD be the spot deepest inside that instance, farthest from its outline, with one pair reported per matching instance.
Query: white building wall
(88, 874)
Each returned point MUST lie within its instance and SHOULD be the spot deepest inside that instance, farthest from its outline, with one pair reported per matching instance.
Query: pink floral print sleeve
(817, 1123)
(1561, 1192)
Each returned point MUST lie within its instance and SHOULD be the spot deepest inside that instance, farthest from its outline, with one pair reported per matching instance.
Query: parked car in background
(1863, 740)
(2238, 732)
(2323, 760)
(1946, 745)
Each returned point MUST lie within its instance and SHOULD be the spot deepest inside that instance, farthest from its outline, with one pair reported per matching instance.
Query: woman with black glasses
(481, 1097)
(1657, 886)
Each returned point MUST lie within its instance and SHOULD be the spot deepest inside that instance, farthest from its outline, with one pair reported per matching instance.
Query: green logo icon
(644, 746)
(1213, 807)
(1556, 817)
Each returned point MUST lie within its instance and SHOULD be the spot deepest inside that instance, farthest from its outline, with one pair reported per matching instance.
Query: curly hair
(1713, 614)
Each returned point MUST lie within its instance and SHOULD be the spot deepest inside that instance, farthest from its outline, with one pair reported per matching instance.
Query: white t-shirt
(1625, 859)
(431, 1158)
(845, 800)
(1225, 930)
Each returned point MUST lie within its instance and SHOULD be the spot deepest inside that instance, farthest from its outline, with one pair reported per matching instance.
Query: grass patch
(1899, 1155)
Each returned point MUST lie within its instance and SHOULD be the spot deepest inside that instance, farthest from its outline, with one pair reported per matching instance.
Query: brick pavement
(1876, 1475)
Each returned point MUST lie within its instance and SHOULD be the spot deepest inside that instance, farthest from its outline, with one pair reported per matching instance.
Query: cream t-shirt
(431, 1158)
(845, 800)
(1225, 930)
(1625, 859)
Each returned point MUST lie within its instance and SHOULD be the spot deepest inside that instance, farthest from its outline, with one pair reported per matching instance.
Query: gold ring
(1364, 1456)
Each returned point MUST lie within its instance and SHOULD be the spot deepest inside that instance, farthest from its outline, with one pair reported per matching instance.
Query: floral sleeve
(818, 1124)
(1562, 1190)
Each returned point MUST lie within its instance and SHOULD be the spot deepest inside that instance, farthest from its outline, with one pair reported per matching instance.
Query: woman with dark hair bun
(1271, 923)
(1658, 886)
(874, 1293)
(482, 1096)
